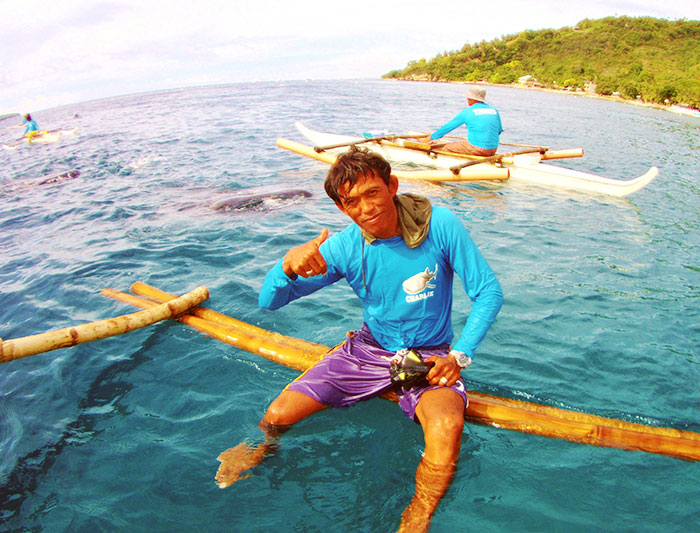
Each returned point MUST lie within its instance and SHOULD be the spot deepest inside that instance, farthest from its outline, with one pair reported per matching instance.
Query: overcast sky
(56, 52)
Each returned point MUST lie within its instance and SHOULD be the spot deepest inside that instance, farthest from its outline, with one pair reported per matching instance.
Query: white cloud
(62, 52)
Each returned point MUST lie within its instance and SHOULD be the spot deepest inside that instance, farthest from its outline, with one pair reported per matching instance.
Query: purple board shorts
(358, 369)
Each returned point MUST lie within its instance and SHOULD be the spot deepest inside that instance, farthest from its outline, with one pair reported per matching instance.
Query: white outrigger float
(517, 166)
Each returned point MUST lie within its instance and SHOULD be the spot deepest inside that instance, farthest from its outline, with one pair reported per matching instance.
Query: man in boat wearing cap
(482, 122)
(399, 256)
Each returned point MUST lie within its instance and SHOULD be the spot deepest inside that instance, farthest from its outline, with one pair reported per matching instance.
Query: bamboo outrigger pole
(319, 149)
(486, 409)
(484, 172)
(63, 338)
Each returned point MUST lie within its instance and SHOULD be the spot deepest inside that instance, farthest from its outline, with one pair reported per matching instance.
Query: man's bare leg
(441, 414)
(287, 409)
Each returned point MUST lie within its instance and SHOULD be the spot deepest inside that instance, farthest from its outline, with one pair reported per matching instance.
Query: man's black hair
(350, 166)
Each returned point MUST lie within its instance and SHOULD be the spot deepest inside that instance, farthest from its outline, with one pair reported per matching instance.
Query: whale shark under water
(256, 200)
(59, 177)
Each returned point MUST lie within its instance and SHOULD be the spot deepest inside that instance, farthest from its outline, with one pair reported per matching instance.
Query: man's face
(370, 205)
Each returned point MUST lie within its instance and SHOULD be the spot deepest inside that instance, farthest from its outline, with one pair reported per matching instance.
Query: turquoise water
(601, 315)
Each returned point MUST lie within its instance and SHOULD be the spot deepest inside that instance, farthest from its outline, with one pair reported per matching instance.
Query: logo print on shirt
(415, 286)
(485, 111)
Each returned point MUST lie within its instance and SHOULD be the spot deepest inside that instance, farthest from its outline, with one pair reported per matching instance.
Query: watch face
(461, 359)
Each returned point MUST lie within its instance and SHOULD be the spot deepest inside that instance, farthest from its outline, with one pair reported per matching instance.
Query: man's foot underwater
(239, 459)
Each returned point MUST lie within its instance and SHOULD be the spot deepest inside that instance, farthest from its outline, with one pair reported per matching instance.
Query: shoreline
(651, 105)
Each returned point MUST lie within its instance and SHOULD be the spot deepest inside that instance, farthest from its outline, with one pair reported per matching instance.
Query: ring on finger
(443, 381)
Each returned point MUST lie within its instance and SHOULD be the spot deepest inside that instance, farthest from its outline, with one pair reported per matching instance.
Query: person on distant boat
(482, 122)
(399, 256)
(31, 129)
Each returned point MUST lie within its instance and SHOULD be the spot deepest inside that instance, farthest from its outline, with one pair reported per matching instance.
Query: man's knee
(289, 408)
(441, 413)
(447, 423)
(274, 415)
(279, 412)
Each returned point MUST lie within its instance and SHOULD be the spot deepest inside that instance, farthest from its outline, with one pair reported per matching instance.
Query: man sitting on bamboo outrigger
(482, 122)
(399, 257)
(31, 129)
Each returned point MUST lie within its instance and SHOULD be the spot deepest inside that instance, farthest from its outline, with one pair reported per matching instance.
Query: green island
(641, 59)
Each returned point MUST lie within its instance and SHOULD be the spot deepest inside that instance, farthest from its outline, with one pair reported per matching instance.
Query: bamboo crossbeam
(319, 149)
(483, 172)
(289, 351)
(66, 337)
(564, 153)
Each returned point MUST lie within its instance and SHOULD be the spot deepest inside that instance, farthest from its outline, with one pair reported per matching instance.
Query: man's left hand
(445, 371)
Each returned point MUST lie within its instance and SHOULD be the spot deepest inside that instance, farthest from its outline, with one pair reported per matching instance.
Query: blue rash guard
(406, 293)
(30, 126)
(482, 122)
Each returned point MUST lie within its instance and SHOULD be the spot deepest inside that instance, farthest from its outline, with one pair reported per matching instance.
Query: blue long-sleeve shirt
(406, 293)
(31, 125)
(483, 124)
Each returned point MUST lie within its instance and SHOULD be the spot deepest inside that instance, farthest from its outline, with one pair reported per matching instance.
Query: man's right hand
(306, 260)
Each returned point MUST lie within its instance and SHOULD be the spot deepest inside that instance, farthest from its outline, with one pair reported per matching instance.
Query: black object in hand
(408, 369)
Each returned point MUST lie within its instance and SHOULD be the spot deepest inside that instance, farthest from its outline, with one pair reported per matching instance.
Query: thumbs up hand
(306, 260)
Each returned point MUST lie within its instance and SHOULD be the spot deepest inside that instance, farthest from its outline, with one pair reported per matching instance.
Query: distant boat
(688, 111)
(44, 137)
(523, 168)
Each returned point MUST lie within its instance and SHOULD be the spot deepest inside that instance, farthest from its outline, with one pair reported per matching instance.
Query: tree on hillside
(636, 57)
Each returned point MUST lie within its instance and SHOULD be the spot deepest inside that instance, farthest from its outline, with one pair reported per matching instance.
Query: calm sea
(602, 315)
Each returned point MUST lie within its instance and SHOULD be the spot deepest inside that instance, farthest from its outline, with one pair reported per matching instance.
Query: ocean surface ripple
(602, 315)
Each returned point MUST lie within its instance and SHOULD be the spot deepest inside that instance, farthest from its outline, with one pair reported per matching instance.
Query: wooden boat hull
(524, 168)
(483, 408)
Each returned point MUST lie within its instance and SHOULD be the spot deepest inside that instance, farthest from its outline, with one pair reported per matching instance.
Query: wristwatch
(463, 360)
